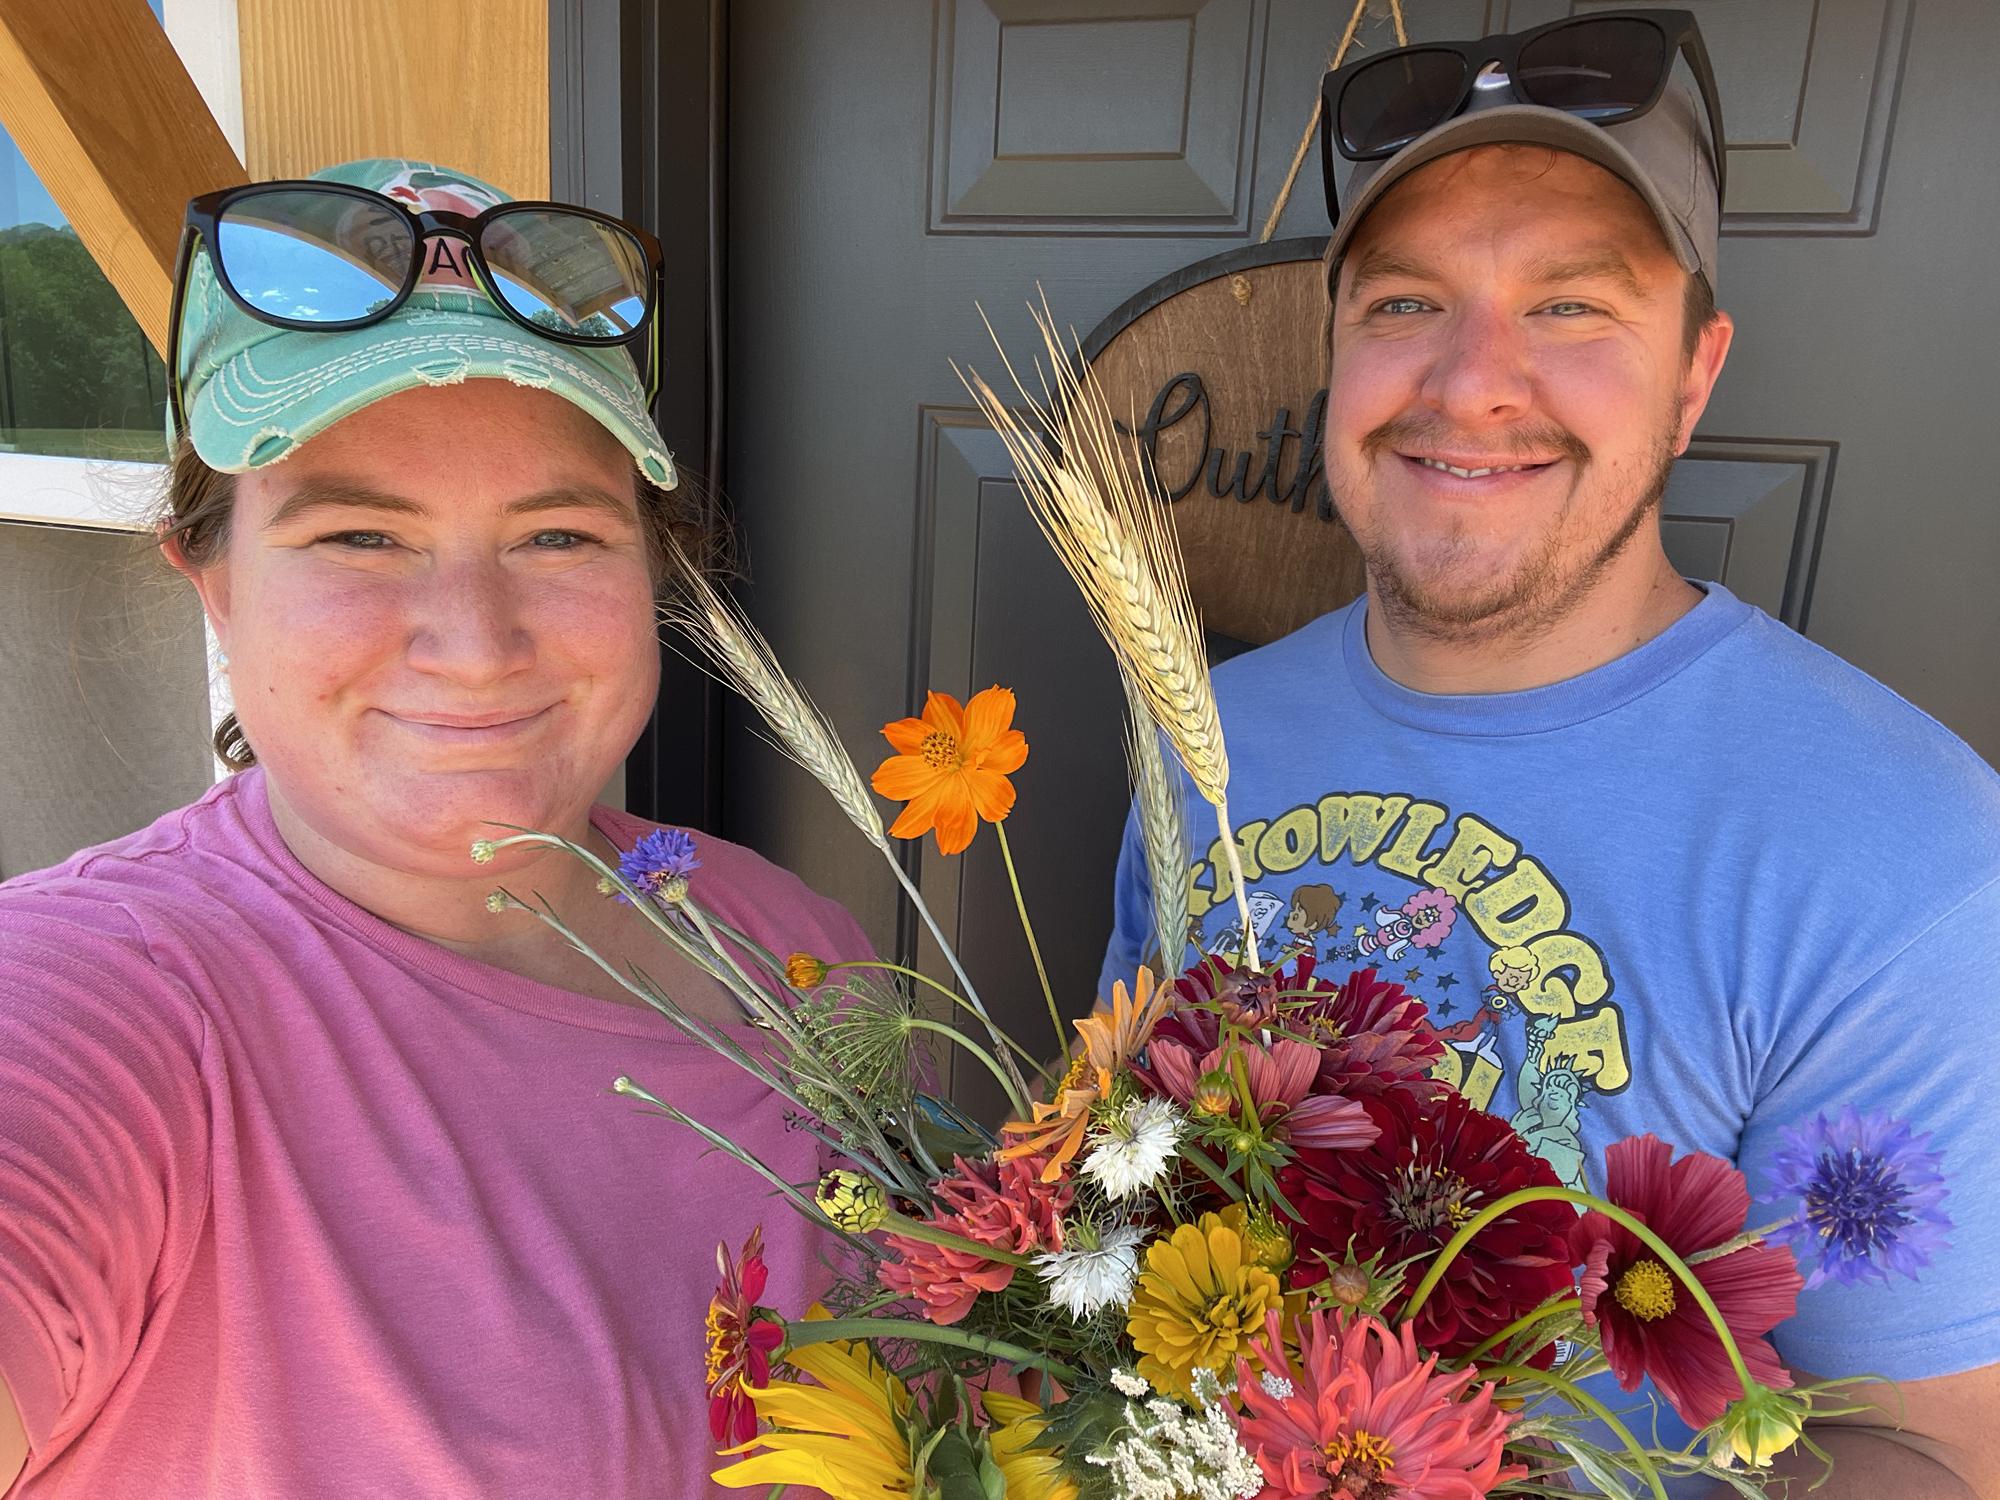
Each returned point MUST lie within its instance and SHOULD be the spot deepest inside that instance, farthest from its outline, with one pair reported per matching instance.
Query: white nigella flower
(1086, 1278)
(1130, 1152)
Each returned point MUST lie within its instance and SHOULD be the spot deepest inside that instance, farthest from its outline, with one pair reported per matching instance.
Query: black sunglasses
(1606, 68)
(327, 256)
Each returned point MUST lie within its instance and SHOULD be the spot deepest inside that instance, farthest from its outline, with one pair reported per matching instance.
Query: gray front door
(895, 162)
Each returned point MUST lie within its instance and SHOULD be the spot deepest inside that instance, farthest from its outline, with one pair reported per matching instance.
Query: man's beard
(1536, 593)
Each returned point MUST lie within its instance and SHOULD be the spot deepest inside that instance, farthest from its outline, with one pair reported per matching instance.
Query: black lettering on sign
(1188, 387)
(1186, 393)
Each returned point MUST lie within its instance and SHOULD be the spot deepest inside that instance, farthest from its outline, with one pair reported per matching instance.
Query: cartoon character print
(1424, 921)
(1264, 909)
(1314, 911)
(1551, 1094)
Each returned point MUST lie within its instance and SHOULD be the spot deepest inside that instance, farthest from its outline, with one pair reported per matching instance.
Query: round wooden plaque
(1221, 369)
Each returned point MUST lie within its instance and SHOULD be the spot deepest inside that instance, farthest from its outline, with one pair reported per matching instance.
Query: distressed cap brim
(280, 391)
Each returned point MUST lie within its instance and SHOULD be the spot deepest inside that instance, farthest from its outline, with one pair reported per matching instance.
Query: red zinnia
(1646, 1319)
(1004, 1204)
(1436, 1163)
(739, 1343)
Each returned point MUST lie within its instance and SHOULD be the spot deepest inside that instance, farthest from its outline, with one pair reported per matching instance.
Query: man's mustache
(1421, 434)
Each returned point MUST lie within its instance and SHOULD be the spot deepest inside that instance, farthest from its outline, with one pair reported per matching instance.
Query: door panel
(895, 163)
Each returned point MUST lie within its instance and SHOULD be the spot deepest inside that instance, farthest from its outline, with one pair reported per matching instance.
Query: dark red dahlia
(1372, 1033)
(1437, 1162)
(1647, 1319)
(1377, 1036)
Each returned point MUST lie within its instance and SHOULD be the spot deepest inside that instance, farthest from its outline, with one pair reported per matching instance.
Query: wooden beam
(464, 83)
(101, 108)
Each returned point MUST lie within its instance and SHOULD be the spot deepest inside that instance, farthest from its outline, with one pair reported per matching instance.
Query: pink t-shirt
(293, 1204)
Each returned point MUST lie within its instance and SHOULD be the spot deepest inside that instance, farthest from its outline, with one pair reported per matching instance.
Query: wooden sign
(1222, 368)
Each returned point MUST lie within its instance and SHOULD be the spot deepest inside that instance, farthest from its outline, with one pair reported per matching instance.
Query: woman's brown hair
(202, 501)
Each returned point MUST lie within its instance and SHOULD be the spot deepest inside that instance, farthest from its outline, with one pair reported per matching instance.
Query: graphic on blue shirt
(1477, 929)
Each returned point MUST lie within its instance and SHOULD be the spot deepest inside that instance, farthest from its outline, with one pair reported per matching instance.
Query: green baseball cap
(253, 391)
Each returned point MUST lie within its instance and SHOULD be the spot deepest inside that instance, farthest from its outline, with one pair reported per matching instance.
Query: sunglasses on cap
(1606, 68)
(326, 256)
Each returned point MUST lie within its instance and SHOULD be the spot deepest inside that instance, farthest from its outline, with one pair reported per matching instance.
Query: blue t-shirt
(1722, 884)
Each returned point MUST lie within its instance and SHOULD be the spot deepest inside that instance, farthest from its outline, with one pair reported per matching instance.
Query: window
(77, 377)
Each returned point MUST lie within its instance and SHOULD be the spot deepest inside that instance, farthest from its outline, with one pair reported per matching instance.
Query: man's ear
(210, 581)
(1710, 350)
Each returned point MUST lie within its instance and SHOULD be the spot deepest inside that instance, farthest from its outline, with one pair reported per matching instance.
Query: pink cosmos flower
(999, 1203)
(1362, 1415)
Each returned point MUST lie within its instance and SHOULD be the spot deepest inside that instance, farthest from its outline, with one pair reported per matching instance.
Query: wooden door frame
(638, 114)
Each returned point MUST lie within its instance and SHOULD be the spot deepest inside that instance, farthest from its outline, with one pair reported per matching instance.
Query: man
(1747, 885)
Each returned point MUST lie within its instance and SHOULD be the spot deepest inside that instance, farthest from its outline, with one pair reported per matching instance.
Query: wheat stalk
(1083, 480)
(743, 660)
(738, 653)
(1163, 828)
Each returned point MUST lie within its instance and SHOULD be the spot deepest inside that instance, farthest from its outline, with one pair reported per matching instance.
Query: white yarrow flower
(1131, 1151)
(1086, 1279)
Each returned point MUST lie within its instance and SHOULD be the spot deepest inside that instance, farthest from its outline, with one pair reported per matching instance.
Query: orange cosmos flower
(1112, 1036)
(951, 767)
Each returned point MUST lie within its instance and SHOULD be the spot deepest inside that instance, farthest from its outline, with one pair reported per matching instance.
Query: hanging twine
(1239, 285)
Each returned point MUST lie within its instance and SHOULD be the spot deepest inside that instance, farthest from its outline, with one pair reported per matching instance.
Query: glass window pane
(77, 377)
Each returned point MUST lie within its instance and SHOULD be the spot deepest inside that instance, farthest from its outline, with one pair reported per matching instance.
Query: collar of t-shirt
(1556, 705)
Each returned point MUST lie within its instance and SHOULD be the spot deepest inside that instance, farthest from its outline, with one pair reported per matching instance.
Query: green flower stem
(1521, 1374)
(821, 1330)
(1742, 1241)
(1034, 948)
(950, 994)
(1618, 1216)
(1198, 1158)
(1020, 1089)
(919, 1023)
(1522, 1324)
(930, 1234)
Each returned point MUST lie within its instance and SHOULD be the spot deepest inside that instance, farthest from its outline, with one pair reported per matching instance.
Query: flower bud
(1762, 1425)
(804, 972)
(483, 851)
(854, 1203)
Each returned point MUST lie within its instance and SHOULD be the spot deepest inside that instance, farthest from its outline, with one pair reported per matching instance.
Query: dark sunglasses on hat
(329, 256)
(1606, 68)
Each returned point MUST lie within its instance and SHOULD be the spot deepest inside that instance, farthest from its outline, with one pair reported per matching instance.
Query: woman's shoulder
(109, 904)
(753, 894)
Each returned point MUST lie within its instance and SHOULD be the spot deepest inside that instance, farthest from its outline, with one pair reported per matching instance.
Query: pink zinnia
(1280, 1077)
(999, 1203)
(1647, 1321)
(1362, 1415)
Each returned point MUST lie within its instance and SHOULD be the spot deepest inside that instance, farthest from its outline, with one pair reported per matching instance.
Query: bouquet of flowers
(1235, 1240)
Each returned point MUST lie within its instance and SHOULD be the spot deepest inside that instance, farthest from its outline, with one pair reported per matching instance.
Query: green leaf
(1597, 1468)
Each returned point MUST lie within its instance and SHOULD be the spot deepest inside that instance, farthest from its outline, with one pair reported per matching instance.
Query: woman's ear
(211, 582)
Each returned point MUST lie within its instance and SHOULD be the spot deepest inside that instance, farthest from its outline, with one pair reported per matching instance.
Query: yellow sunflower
(1031, 1473)
(1200, 1300)
(844, 1436)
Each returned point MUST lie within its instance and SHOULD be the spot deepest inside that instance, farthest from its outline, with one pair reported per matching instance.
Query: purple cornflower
(660, 863)
(1868, 1196)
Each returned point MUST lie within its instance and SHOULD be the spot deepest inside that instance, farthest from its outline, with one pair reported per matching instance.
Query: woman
(310, 1179)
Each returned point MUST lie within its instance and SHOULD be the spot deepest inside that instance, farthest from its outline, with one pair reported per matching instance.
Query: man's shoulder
(1819, 716)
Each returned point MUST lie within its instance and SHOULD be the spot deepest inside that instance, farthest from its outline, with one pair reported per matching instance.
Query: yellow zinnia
(1200, 1300)
(1031, 1473)
(845, 1436)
